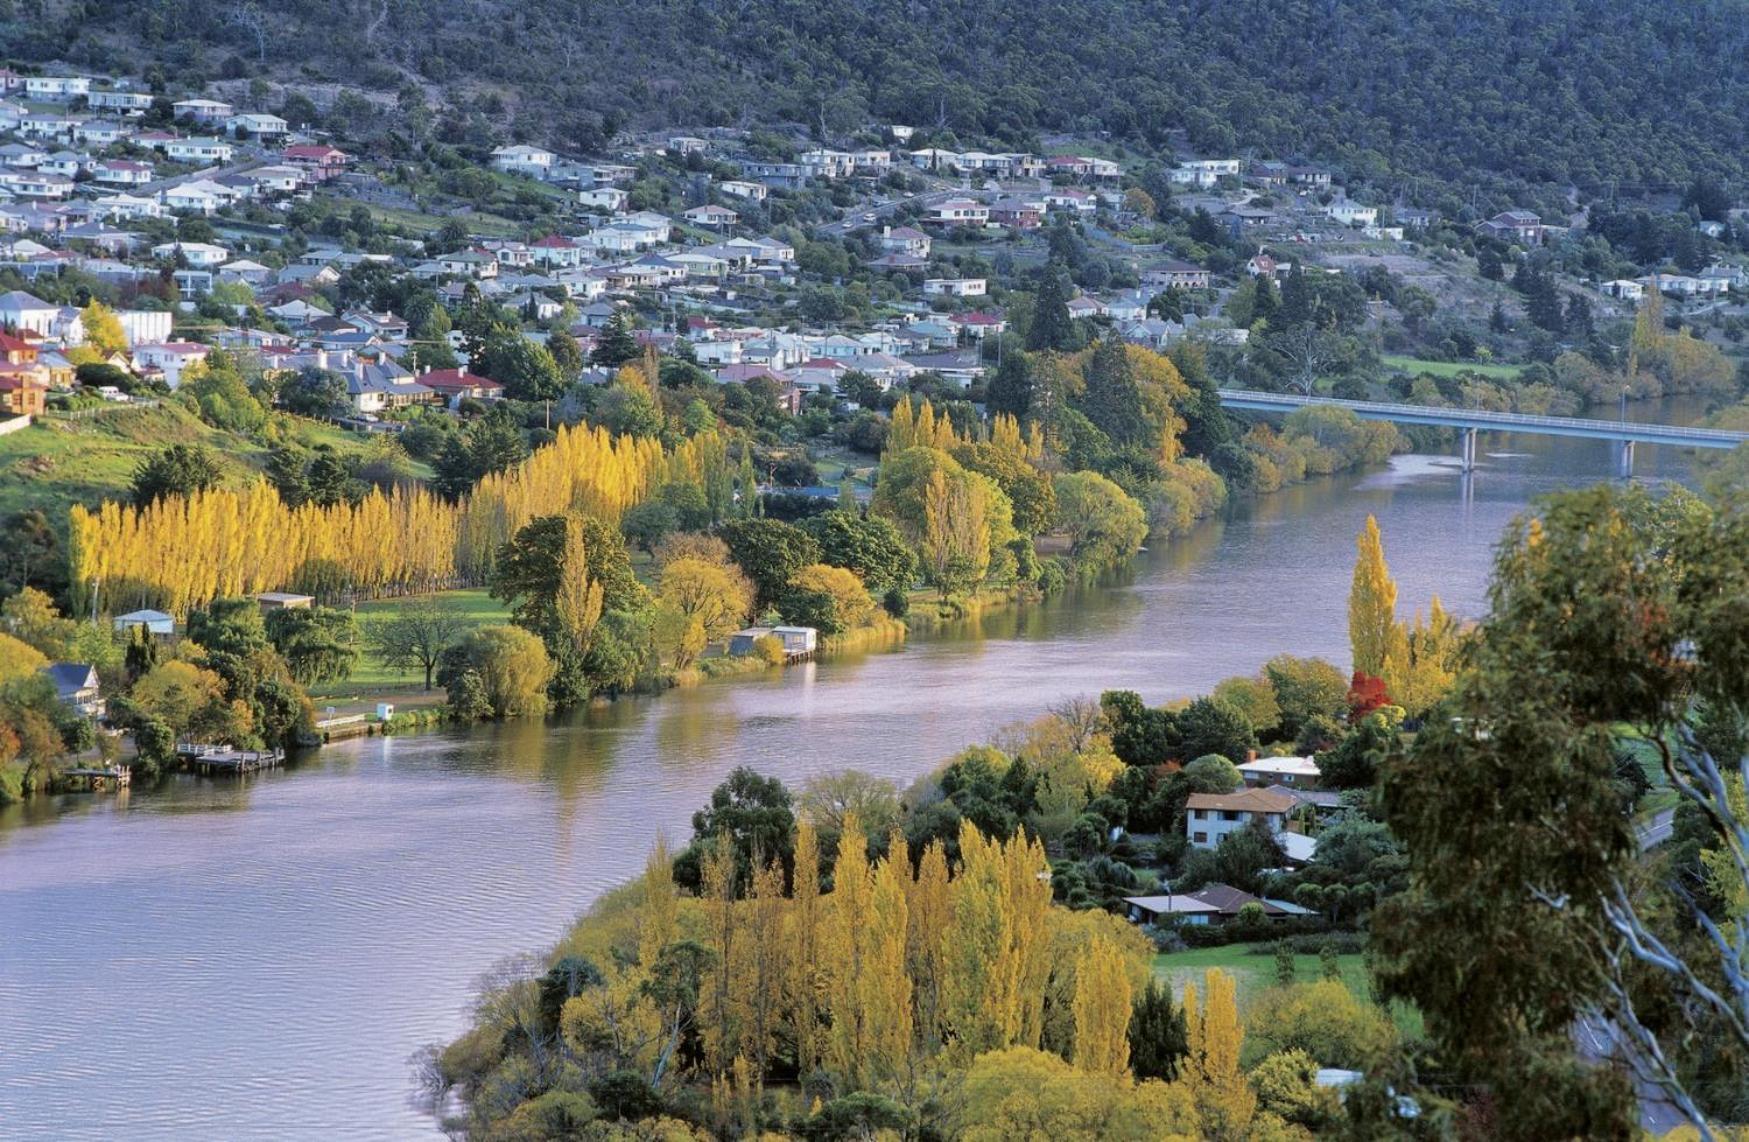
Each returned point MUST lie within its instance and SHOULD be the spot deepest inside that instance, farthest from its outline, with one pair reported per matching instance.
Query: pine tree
(1284, 964)
(1052, 327)
(1372, 602)
(1102, 1009)
(1112, 399)
(1010, 390)
(617, 345)
(1157, 1034)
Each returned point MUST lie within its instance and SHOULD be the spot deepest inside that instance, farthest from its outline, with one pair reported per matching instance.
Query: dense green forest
(1641, 98)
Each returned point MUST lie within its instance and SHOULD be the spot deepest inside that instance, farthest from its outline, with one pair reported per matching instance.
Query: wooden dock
(99, 777)
(344, 726)
(212, 759)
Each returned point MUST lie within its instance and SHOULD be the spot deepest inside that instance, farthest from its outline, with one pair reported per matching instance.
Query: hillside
(1484, 93)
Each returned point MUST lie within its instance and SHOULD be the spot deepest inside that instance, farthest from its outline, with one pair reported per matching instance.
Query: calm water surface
(259, 959)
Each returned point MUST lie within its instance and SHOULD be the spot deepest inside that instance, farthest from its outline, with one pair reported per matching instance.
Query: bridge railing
(1482, 418)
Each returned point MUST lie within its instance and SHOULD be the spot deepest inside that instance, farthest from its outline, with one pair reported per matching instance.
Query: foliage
(1104, 524)
(1372, 604)
(831, 599)
(770, 552)
(319, 644)
(510, 664)
(868, 545)
(179, 470)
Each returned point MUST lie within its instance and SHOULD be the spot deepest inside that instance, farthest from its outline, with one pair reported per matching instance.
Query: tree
(1372, 603)
(530, 570)
(956, 532)
(1052, 327)
(1112, 399)
(1253, 697)
(1157, 1033)
(770, 552)
(317, 393)
(756, 814)
(179, 470)
(830, 599)
(1323, 1019)
(177, 693)
(512, 668)
(868, 545)
(616, 346)
(1105, 525)
(319, 644)
(827, 800)
(1207, 726)
(1011, 387)
(31, 616)
(1214, 1037)
(526, 370)
(415, 634)
(718, 597)
(1102, 1010)
(103, 330)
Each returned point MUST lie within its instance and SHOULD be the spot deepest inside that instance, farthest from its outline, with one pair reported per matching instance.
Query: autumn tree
(1372, 603)
(1214, 1036)
(1102, 1010)
(415, 634)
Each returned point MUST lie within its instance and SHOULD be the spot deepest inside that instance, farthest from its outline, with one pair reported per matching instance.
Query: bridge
(1623, 433)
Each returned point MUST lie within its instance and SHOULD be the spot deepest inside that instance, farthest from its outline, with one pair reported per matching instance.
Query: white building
(1210, 817)
(199, 150)
(604, 198)
(21, 312)
(172, 358)
(1298, 772)
(55, 89)
(956, 287)
(523, 159)
(200, 255)
(144, 326)
(755, 191)
(203, 110)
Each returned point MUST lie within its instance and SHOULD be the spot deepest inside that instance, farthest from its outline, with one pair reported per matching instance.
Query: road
(883, 210)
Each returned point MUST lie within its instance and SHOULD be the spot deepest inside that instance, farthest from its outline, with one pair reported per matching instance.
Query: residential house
(523, 159)
(955, 287)
(904, 240)
(777, 176)
(1521, 226)
(1173, 274)
(958, 212)
(978, 325)
(1069, 199)
(322, 162)
(23, 313)
(76, 685)
(753, 191)
(55, 88)
(1214, 904)
(199, 150)
(124, 101)
(200, 255)
(203, 111)
(99, 133)
(122, 207)
(457, 385)
(1291, 771)
(252, 124)
(1210, 817)
(960, 366)
(1309, 175)
(170, 358)
(144, 326)
(190, 198)
(122, 172)
(475, 263)
(610, 198)
(1018, 213)
(36, 184)
(1350, 213)
(555, 251)
(24, 390)
(712, 216)
(687, 145)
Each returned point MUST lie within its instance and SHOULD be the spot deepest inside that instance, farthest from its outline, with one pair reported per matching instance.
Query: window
(1196, 814)
(1230, 815)
(1199, 838)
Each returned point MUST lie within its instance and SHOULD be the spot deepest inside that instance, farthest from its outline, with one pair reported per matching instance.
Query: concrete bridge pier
(1467, 446)
(1625, 460)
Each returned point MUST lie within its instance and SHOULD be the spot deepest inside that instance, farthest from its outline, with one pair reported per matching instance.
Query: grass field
(57, 463)
(1253, 973)
(372, 680)
(1417, 365)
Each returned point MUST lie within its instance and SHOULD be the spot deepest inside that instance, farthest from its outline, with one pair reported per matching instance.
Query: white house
(257, 125)
(1624, 289)
(21, 312)
(604, 197)
(172, 358)
(523, 159)
(958, 212)
(1352, 213)
(122, 172)
(1209, 817)
(200, 255)
(55, 88)
(1297, 772)
(126, 206)
(155, 622)
(120, 100)
(955, 287)
(754, 191)
(713, 216)
(199, 150)
(203, 110)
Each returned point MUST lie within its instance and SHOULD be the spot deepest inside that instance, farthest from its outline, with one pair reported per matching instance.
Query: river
(259, 958)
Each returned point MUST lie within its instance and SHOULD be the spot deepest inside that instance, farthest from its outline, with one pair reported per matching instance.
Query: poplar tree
(1211, 1067)
(1102, 1010)
(803, 977)
(1372, 603)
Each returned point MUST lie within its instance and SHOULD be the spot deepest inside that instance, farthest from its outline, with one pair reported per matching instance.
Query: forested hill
(1587, 92)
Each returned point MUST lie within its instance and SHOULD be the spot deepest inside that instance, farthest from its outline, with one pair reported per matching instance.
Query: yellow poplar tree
(103, 330)
(1211, 1067)
(716, 998)
(1102, 1009)
(843, 947)
(885, 986)
(929, 911)
(1372, 602)
(803, 983)
(579, 598)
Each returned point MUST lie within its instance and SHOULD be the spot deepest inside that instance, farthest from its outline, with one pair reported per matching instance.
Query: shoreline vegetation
(622, 554)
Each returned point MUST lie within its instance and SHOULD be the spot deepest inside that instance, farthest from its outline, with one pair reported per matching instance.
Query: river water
(241, 959)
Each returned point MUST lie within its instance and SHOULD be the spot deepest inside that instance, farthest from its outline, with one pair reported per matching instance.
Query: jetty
(100, 777)
(212, 759)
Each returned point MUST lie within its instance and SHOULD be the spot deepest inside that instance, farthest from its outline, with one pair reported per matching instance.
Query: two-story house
(1210, 817)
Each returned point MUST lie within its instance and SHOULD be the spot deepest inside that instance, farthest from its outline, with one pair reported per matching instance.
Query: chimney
(1250, 756)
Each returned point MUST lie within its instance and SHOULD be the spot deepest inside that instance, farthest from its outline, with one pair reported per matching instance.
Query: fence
(8, 427)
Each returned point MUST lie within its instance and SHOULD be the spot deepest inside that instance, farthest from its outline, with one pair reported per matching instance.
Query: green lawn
(1416, 365)
(371, 679)
(1253, 973)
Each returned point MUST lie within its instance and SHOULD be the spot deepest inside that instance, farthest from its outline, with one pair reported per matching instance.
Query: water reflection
(300, 933)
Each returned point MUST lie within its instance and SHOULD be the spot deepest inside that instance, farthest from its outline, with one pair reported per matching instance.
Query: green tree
(526, 370)
(1208, 726)
(1105, 525)
(1051, 326)
(178, 470)
(508, 665)
(414, 635)
(616, 346)
(770, 552)
(319, 644)
(1157, 1037)
(868, 545)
